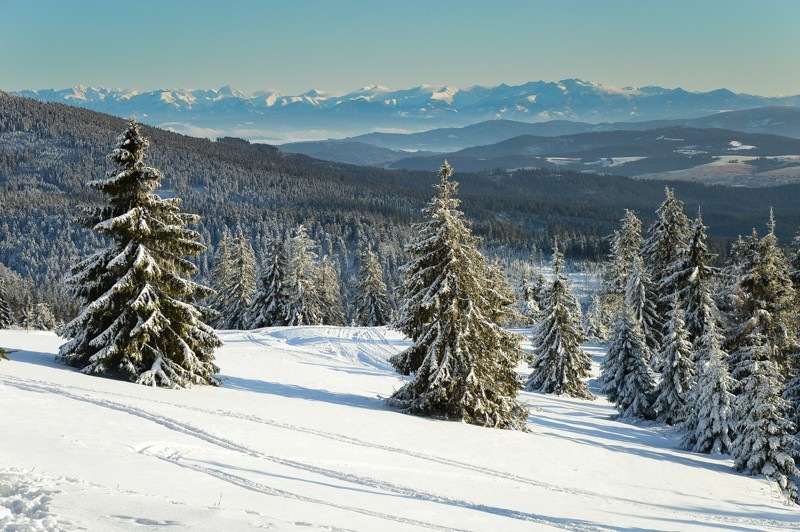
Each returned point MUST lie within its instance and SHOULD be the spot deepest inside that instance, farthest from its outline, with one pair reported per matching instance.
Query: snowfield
(297, 438)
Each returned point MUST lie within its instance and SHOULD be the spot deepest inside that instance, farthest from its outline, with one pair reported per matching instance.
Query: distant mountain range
(274, 117)
(734, 147)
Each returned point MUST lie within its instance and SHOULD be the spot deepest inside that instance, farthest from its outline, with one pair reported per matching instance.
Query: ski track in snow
(187, 429)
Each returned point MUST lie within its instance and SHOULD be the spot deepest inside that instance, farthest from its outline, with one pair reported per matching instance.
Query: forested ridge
(48, 152)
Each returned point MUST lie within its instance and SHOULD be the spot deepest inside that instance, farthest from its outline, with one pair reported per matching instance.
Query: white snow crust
(297, 438)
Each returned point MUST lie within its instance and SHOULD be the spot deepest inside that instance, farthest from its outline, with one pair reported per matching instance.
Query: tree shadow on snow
(294, 391)
(37, 358)
(632, 440)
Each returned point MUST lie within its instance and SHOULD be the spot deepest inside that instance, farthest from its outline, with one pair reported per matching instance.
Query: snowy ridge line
(268, 490)
(190, 430)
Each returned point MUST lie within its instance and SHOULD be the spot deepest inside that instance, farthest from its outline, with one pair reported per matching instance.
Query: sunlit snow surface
(297, 438)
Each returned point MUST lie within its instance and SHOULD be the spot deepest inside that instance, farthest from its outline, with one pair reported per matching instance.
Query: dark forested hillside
(49, 151)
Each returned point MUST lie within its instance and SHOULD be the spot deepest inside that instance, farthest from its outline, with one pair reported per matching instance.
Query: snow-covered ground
(298, 439)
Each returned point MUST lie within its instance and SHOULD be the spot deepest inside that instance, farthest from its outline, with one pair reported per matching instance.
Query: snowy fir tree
(301, 297)
(639, 300)
(327, 298)
(237, 288)
(626, 243)
(665, 247)
(764, 300)
(219, 276)
(710, 424)
(6, 317)
(795, 266)
(627, 378)
(270, 304)
(528, 303)
(559, 365)
(674, 362)
(500, 296)
(145, 326)
(766, 442)
(463, 363)
(596, 320)
(42, 318)
(694, 274)
(372, 301)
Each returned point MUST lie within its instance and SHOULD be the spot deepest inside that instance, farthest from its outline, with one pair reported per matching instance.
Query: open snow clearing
(298, 437)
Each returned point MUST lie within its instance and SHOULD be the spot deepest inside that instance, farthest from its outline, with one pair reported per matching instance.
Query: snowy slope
(297, 438)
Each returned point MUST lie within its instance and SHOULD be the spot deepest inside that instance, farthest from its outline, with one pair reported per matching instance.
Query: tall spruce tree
(372, 301)
(270, 304)
(328, 294)
(500, 296)
(6, 317)
(626, 243)
(239, 284)
(559, 366)
(595, 324)
(664, 249)
(627, 379)
(139, 319)
(766, 442)
(463, 363)
(639, 300)
(220, 276)
(710, 424)
(301, 297)
(763, 302)
(693, 275)
(528, 303)
(674, 362)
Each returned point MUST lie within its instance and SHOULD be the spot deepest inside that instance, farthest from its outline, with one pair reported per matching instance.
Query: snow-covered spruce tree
(6, 317)
(270, 304)
(693, 275)
(42, 318)
(371, 301)
(764, 301)
(328, 294)
(638, 299)
(500, 296)
(664, 248)
(301, 294)
(710, 424)
(795, 267)
(463, 363)
(238, 287)
(145, 326)
(626, 244)
(674, 362)
(528, 303)
(559, 366)
(766, 441)
(596, 320)
(627, 378)
(220, 276)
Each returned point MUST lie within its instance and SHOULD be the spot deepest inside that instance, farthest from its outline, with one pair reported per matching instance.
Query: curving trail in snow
(297, 437)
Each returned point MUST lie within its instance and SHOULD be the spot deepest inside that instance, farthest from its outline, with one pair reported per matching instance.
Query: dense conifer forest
(48, 152)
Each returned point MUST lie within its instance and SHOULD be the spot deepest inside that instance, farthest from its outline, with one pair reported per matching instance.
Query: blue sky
(297, 45)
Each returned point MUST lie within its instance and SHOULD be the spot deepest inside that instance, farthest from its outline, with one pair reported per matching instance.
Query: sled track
(44, 387)
(223, 443)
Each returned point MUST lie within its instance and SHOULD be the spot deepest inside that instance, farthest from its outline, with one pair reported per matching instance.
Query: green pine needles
(463, 363)
(139, 319)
